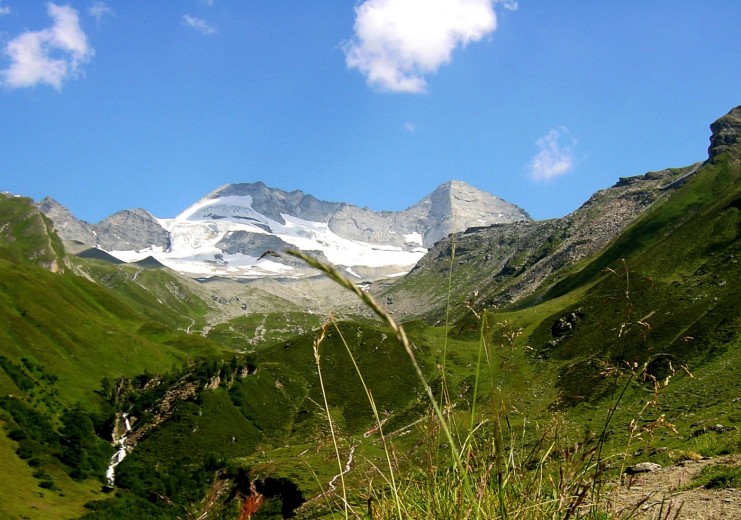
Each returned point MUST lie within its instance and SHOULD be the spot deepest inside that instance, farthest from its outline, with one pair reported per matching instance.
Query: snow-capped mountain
(227, 232)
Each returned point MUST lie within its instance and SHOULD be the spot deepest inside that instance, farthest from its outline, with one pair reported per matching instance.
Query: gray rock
(643, 467)
(65, 223)
(123, 231)
(273, 202)
(131, 230)
(726, 135)
(251, 244)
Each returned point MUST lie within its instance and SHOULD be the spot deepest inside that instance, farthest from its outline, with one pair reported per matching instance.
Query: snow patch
(195, 233)
(413, 238)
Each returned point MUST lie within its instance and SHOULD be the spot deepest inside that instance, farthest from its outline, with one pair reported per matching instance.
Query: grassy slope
(674, 299)
(157, 294)
(255, 329)
(77, 330)
(680, 276)
(21, 496)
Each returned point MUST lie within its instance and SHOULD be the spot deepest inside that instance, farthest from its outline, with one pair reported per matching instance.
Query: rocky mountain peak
(274, 202)
(456, 206)
(726, 135)
(131, 229)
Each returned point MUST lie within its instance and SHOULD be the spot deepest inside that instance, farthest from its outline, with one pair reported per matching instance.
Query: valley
(269, 355)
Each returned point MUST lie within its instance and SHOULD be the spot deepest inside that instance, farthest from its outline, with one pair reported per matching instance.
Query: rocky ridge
(499, 264)
(505, 262)
(726, 137)
(124, 230)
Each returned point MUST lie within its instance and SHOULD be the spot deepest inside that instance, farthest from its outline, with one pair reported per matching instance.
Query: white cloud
(4, 10)
(198, 24)
(209, 3)
(410, 127)
(100, 10)
(555, 155)
(398, 42)
(48, 56)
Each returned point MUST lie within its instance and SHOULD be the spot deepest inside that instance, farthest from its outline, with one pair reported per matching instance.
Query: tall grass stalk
(445, 395)
(401, 336)
(379, 424)
(317, 358)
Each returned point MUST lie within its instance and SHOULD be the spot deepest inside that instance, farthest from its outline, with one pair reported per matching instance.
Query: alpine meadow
(267, 354)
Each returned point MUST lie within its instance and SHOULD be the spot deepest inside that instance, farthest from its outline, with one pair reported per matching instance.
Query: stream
(120, 453)
(348, 466)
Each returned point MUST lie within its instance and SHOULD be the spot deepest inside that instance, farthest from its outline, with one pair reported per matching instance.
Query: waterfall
(120, 452)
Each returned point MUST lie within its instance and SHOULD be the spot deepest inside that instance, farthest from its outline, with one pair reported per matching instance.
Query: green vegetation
(521, 410)
(719, 477)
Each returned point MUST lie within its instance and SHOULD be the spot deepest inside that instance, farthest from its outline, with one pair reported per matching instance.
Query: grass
(23, 498)
(721, 476)
(633, 332)
(489, 416)
(255, 330)
(483, 476)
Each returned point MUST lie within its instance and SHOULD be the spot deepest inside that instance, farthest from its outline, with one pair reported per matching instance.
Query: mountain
(507, 262)
(227, 232)
(125, 230)
(571, 347)
(27, 236)
(524, 262)
(726, 135)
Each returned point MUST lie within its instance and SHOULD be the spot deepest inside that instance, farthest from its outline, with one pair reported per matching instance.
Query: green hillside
(543, 359)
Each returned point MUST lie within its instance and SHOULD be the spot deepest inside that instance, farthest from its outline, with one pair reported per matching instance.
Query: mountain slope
(612, 302)
(503, 263)
(26, 236)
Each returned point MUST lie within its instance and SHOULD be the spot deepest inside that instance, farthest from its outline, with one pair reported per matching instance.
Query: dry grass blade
(401, 336)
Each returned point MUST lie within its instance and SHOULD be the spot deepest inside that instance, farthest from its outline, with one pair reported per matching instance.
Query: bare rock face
(131, 230)
(453, 207)
(726, 135)
(273, 203)
(65, 223)
(457, 206)
(123, 231)
(251, 244)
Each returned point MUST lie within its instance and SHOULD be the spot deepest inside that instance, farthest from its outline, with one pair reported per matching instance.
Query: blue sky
(114, 105)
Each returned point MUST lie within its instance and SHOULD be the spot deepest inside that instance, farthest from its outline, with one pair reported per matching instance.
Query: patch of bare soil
(661, 495)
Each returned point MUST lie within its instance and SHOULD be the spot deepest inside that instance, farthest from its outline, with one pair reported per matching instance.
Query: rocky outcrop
(26, 235)
(726, 135)
(274, 203)
(67, 226)
(123, 231)
(453, 207)
(250, 244)
(131, 230)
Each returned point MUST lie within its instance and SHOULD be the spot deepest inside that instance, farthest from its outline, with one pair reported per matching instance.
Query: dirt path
(657, 495)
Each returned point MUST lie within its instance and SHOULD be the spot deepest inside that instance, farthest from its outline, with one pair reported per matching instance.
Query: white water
(348, 467)
(120, 453)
